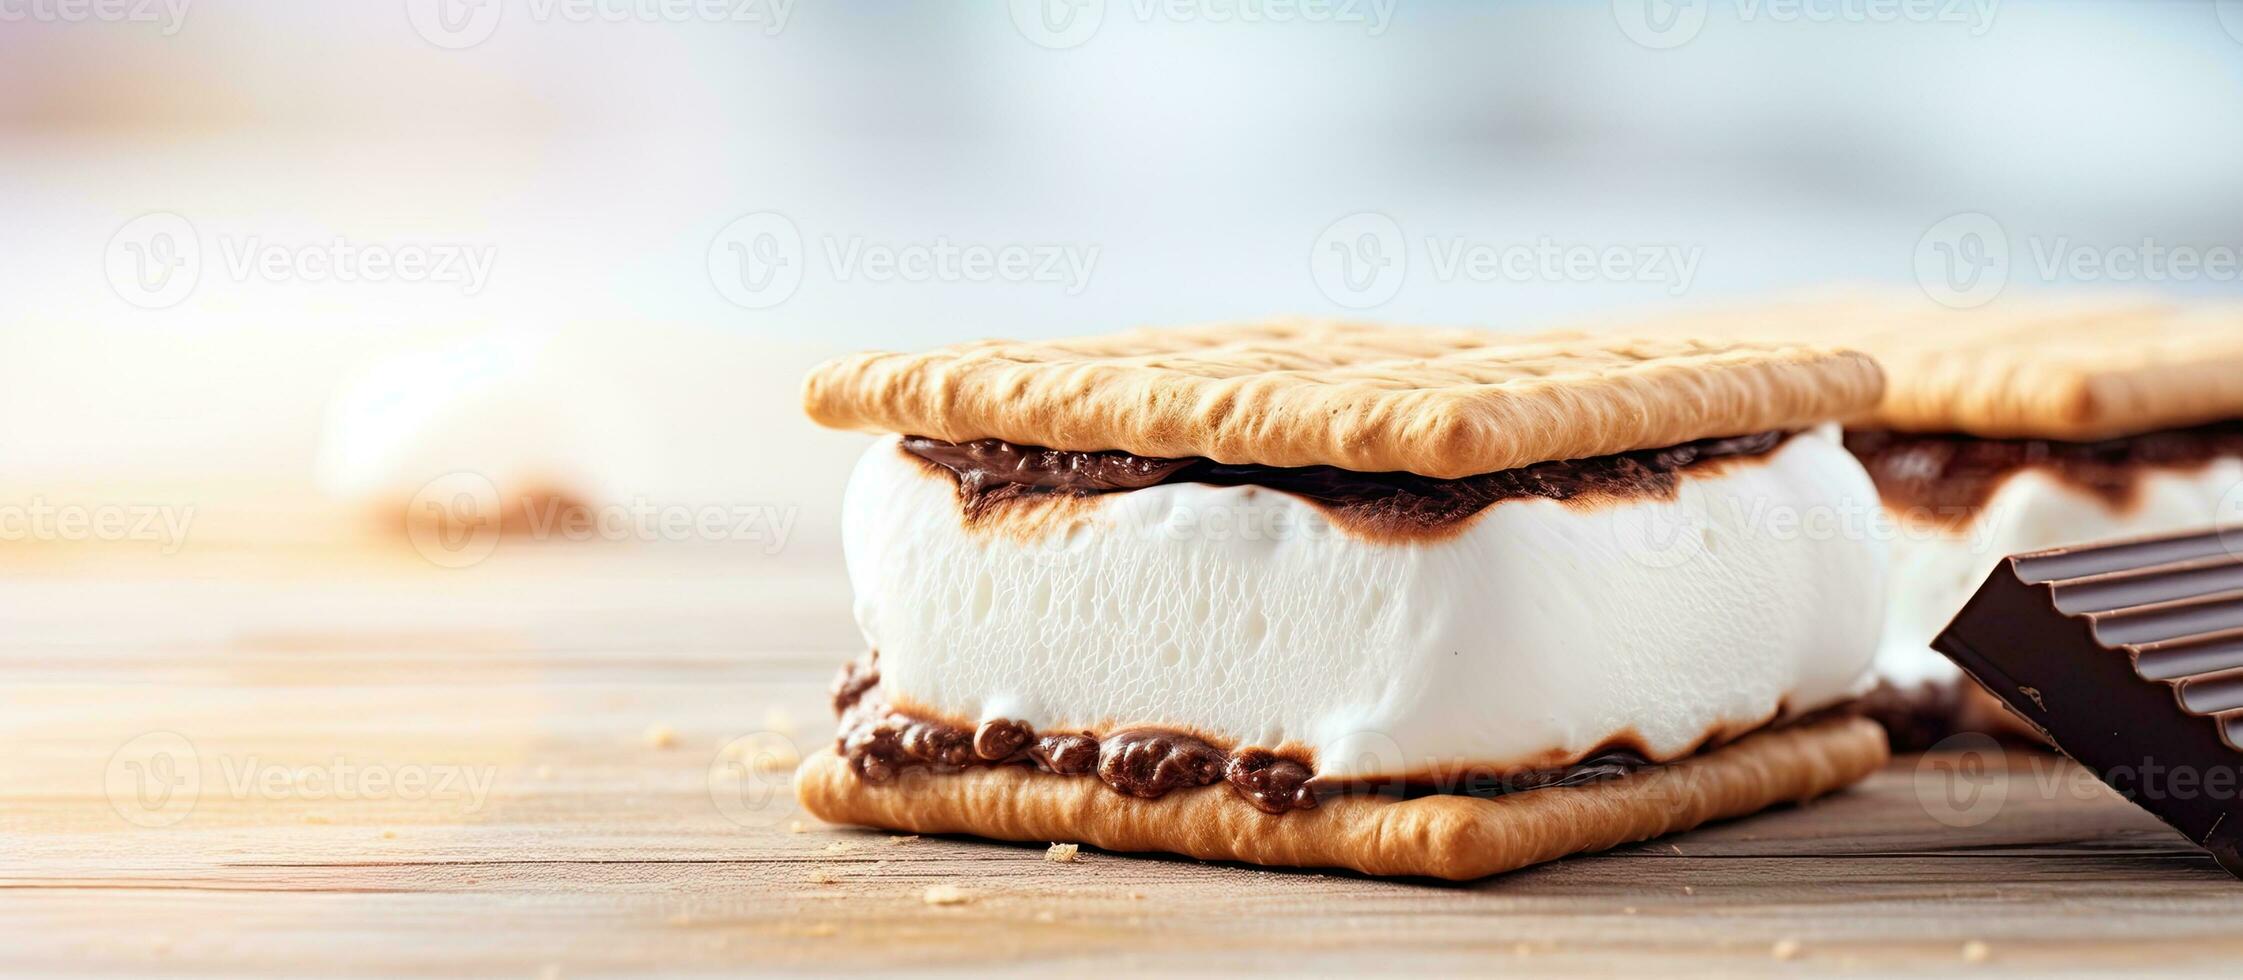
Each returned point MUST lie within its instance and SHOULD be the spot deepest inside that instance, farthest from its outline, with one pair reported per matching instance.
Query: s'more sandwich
(2018, 427)
(1403, 601)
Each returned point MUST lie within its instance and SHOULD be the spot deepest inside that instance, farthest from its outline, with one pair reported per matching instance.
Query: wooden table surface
(572, 762)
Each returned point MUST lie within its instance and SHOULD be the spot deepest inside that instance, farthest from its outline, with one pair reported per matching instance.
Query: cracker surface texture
(2075, 370)
(1436, 402)
(1454, 837)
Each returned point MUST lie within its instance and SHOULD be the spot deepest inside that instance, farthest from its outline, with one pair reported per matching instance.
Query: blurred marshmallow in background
(597, 244)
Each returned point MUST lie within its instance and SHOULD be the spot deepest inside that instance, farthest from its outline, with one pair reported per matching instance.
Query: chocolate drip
(990, 472)
(856, 677)
(881, 742)
(1951, 475)
(1149, 762)
(996, 741)
(1273, 783)
(1067, 755)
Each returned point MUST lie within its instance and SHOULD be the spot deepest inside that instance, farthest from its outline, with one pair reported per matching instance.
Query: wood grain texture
(591, 695)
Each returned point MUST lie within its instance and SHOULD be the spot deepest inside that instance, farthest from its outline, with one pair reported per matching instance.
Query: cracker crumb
(822, 878)
(318, 818)
(1046, 916)
(945, 895)
(1786, 949)
(840, 847)
(661, 736)
(795, 827)
(389, 835)
(1063, 853)
(903, 839)
(1687, 890)
(1977, 952)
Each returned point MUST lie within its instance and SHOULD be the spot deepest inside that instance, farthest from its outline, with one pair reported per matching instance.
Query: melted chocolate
(880, 743)
(991, 473)
(1951, 476)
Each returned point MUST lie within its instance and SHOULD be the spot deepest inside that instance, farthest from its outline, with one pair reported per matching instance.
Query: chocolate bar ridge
(2129, 657)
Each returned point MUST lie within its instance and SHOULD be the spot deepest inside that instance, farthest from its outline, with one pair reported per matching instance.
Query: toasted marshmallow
(1535, 635)
(2033, 509)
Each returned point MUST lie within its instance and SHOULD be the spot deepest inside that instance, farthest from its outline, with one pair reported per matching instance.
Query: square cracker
(1438, 403)
(2077, 370)
(1454, 837)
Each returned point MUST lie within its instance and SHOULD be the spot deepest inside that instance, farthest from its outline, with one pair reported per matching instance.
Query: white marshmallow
(1936, 572)
(1536, 634)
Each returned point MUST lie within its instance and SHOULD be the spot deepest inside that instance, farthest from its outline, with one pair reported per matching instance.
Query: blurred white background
(1177, 162)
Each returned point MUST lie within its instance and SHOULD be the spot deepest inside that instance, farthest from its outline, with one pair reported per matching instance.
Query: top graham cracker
(2074, 370)
(1440, 403)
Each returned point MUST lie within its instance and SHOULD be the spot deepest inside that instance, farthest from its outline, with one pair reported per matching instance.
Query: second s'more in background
(1304, 593)
(2025, 425)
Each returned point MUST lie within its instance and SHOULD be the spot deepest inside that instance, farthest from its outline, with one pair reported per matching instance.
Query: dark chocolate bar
(2129, 657)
